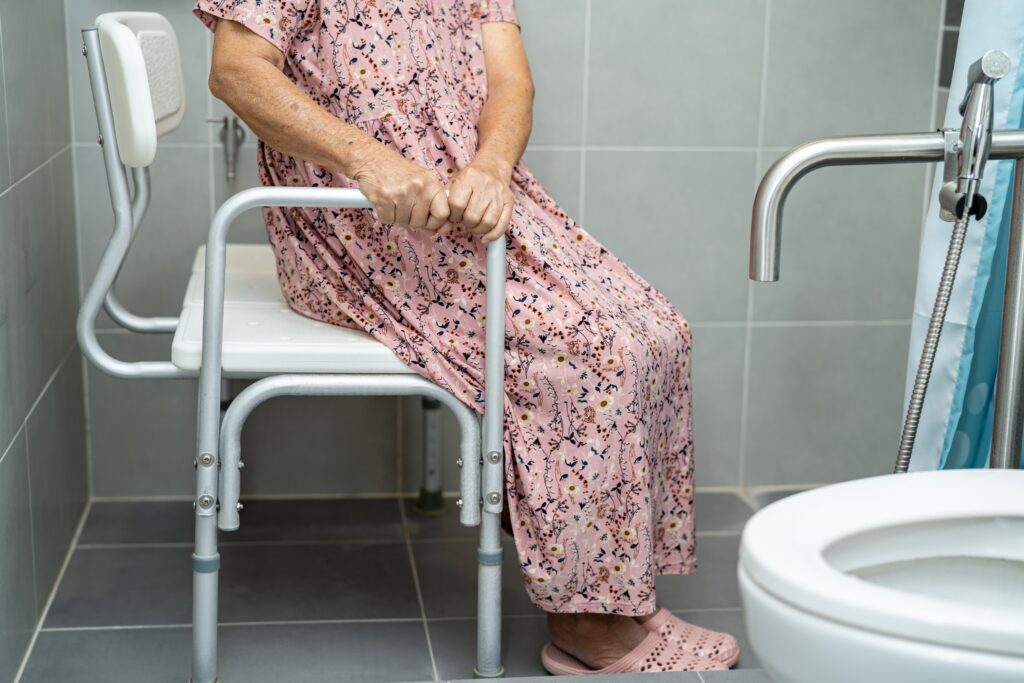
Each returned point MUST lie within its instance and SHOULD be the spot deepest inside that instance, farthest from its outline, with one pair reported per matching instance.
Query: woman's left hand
(480, 199)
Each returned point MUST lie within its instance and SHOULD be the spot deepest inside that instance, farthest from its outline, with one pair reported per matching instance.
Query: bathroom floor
(326, 590)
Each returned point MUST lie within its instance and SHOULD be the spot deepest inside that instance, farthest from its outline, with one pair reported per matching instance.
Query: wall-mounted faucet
(232, 135)
(965, 151)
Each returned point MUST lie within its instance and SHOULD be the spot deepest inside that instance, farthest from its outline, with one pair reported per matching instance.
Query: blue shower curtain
(956, 423)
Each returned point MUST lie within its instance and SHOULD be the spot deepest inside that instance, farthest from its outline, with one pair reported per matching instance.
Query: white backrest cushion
(145, 81)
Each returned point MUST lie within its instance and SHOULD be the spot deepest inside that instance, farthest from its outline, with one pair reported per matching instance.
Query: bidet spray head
(970, 149)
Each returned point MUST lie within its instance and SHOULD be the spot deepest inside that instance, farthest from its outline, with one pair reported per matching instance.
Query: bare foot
(597, 640)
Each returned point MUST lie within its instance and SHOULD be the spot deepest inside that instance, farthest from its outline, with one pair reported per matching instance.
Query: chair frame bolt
(494, 457)
(206, 459)
(493, 497)
(205, 502)
(459, 503)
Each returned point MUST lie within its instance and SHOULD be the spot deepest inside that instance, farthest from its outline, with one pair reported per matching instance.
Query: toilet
(901, 578)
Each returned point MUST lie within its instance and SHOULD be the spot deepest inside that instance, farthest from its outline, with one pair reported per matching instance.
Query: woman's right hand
(403, 193)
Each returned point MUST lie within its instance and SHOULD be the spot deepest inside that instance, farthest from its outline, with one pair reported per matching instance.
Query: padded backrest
(144, 79)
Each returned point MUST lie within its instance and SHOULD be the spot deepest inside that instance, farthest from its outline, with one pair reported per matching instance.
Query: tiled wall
(43, 468)
(655, 118)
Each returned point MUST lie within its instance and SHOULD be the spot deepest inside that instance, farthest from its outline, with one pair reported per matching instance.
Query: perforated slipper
(698, 641)
(653, 654)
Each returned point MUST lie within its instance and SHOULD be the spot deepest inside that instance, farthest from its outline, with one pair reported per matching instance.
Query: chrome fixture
(232, 135)
(965, 151)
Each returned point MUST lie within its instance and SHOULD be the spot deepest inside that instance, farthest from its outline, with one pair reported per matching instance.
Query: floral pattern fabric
(598, 438)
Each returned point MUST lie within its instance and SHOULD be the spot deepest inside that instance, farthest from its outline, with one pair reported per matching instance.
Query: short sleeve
(278, 21)
(499, 10)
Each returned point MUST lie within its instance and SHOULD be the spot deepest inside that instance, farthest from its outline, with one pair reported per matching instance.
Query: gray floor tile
(262, 520)
(447, 573)
(454, 645)
(727, 621)
(742, 676)
(258, 583)
(442, 526)
(686, 677)
(721, 512)
(713, 585)
(324, 653)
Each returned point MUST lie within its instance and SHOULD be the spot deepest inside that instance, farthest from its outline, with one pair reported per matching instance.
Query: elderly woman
(425, 106)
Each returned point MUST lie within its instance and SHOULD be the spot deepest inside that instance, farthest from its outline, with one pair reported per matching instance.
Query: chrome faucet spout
(766, 225)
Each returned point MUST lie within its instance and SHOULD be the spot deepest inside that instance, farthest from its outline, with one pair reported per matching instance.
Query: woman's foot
(699, 641)
(596, 640)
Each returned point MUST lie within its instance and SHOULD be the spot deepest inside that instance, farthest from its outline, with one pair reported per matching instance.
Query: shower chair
(235, 324)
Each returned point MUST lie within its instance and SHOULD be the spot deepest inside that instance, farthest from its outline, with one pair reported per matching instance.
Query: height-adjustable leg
(489, 558)
(431, 500)
(205, 572)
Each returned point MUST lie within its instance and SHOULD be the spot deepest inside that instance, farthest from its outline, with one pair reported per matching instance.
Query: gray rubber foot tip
(430, 504)
(500, 673)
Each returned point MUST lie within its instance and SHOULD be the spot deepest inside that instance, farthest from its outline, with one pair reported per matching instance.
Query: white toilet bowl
(902, 578)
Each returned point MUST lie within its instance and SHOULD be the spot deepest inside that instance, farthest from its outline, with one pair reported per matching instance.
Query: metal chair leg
(205, 573)
(488, 637)
(431, 500)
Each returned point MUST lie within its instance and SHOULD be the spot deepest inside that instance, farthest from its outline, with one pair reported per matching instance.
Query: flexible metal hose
(931, 344)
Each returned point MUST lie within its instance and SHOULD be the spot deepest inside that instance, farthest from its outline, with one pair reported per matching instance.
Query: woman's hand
(480, 199)
(401, 192)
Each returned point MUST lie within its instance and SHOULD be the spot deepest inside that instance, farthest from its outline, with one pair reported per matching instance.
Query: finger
(459, 198)
(403, 213)
(420, 216)
(490, 219)
(503, 223)
(446, 229)
(386, 212)
(439, 211)
(475, 213)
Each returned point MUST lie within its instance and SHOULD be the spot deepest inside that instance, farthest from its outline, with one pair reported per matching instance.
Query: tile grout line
(584, 114)
(335, 622)
(35, 170)
(35, 403)
(416, 583)
(53, 591)
(748, 341)
(168, 545)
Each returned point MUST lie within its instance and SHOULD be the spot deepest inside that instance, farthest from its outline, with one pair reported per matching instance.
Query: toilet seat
(799, 548)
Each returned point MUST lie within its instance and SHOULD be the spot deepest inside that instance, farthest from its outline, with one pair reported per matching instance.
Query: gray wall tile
(553, 33)
(191, 39)
(842, 260)
(5, 153)
(249, 228)
(141, 432)
(59, 471)
(824, 403)
(143, 436)
(717, 391)
(38, 302)
(680, 219)
(831, 69)
(18, 610)
(35, 67)
(559, 173)
(321, 446)
(158, 266)
(651, 76)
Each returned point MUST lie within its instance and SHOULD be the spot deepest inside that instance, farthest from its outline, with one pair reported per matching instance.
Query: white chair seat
(262, 335)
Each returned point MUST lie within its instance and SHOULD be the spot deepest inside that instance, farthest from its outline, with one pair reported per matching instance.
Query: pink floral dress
(597, 397)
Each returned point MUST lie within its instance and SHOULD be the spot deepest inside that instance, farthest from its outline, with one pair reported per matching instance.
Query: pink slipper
(697, 641)
(653, 654)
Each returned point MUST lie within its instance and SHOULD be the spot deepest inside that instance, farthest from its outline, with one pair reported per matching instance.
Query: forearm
(287, 119)
(505, 125)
